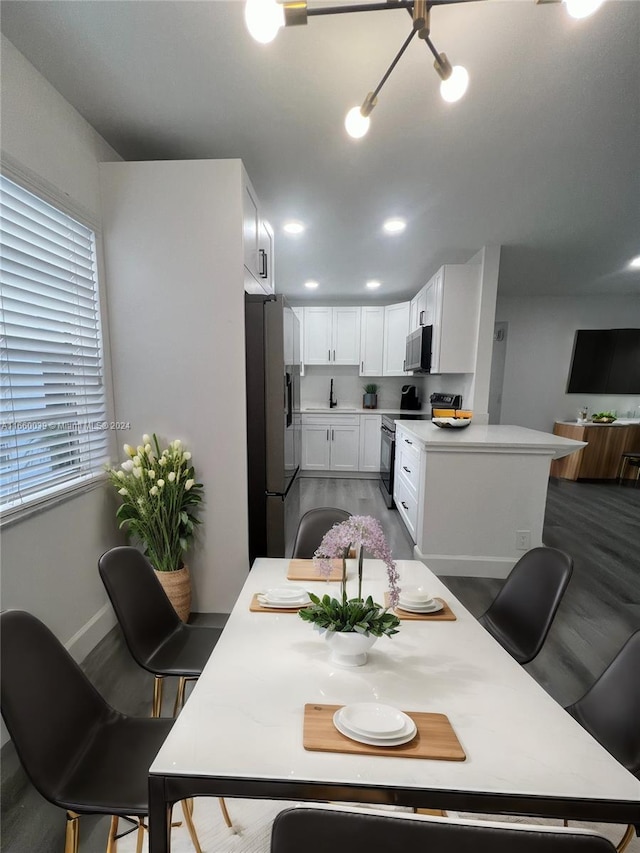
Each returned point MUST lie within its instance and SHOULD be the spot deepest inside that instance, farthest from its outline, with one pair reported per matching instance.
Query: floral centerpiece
(159, 498)
(354, 615)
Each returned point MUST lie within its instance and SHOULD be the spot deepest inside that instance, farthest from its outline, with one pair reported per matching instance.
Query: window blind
(54, 433)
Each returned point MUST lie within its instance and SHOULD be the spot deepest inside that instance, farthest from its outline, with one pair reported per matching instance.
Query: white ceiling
(542, 155)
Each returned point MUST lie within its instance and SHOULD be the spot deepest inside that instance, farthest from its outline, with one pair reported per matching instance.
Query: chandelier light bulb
(582, 8)
(263, 19)
(356, 124)
(456, 84)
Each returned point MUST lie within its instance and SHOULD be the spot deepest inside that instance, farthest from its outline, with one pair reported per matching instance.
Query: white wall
(49, 560)
(175, 281)
(539, 346)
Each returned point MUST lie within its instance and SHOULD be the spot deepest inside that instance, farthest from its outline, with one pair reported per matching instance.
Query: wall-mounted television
(605, 361)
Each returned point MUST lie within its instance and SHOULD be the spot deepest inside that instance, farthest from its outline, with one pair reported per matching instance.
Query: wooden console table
(600, 459)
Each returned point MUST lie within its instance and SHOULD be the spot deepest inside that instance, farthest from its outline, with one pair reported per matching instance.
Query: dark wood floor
(599, 525)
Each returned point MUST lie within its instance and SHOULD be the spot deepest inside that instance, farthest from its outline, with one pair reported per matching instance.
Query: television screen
(605, 361)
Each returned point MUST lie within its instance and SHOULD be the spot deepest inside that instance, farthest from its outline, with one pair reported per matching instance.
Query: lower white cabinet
(330, 442)
(370, 442)
(407, 481)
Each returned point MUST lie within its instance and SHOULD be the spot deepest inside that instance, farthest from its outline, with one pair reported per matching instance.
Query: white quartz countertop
(617, 422)
(351, 410)
(490, 437)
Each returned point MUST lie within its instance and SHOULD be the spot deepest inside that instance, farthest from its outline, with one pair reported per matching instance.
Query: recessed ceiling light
(373, 284)
(394, 226)
(634, 264)
(293, 227)
(311, 284)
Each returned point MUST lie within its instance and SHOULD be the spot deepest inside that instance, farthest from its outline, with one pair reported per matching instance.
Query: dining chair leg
(112, 838)
(140, 836)
(72, 833)
(158, 684)
(225, 813)
(186, 811)
(626, 839)
(182, 683)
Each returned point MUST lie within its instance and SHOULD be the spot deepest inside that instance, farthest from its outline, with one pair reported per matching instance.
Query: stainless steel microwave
(418, 353)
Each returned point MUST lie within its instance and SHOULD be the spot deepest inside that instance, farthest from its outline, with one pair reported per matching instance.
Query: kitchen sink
(326, 409)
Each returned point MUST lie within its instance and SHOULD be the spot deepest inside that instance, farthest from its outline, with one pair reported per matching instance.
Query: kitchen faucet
(332, 400)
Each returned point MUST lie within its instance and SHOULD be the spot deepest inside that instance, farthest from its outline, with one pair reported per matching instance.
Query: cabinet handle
(404, 504)
(404, 468)
(263, 263)
(407, 441)
(329, 355)
(331, 435)
(334, 355)
(421, 321)
(327, 435)
(404, 365)
(362, 367)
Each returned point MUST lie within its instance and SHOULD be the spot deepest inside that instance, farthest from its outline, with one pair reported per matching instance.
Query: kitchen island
(473, 499)
(604, 445)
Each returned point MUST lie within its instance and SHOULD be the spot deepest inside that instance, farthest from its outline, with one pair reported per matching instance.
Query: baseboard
(88, 637)
(461, 565)
(342, 475)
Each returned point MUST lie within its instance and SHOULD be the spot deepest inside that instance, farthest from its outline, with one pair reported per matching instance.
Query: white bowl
(451, 423)
(415, 595)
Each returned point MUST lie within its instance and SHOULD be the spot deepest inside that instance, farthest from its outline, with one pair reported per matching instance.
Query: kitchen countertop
(355, 410)
(617, 422)
(488, 437)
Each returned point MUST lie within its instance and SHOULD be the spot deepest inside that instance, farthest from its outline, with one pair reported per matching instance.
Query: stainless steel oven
(387, 458)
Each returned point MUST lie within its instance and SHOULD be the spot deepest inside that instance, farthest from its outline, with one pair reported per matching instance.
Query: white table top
(244, 718)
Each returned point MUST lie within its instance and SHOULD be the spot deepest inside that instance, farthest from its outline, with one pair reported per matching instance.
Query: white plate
(436, 607)
(285, 593)
(407, 733)
(373, 719)
(283, 605)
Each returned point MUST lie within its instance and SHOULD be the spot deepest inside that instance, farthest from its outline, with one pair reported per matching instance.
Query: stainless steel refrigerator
(272, 344)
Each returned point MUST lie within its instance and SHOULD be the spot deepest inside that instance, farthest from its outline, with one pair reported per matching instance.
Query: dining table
(244, 729)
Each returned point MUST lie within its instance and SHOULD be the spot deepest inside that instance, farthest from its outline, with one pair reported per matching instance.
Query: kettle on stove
(409, 398)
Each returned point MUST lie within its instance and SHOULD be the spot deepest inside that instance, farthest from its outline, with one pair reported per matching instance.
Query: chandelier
(264, 18)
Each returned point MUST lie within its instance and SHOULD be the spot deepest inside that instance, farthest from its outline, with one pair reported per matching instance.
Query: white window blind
(53, 401)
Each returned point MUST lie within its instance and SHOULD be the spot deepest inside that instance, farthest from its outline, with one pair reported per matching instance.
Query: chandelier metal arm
(364, 7)
(394, 63)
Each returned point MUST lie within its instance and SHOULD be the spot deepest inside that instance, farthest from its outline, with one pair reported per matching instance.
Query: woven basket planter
(177, 586)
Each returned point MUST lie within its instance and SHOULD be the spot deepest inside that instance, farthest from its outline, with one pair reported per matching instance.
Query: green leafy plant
(348, 615)
(603, 416)
(371, 388)
(159, 498)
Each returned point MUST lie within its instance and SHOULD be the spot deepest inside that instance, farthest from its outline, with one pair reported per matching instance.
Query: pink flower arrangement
(361, 531)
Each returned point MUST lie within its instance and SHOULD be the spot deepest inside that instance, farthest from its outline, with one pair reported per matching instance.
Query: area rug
(252, 821)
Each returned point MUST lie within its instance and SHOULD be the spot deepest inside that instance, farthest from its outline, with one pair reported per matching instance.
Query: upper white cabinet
(452, 305)
(371, 340)
(299, 313)
(417, 311)
(396, 329)
(258, 245)
(332, 335)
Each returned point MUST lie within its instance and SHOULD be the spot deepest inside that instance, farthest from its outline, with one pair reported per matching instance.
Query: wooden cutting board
(444, 615)
(305, 570)
(435, 738)
(256, 607)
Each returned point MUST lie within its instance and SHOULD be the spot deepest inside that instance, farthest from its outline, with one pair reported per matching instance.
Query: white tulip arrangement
(159, 496)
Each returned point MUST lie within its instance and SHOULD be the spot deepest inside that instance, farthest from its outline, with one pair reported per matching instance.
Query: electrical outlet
(523, 540)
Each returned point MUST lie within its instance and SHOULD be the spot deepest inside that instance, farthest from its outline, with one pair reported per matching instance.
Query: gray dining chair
(610, 712)
(312, 527)
(521, 614)
(316, 830)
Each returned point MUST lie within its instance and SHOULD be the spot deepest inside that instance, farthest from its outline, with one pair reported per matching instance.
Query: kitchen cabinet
(452, 306)
(371, 340)
(600, 459)
(407, 479)
(369, 454)
(299, 313)
(330, 442)
(332, 335)
(257, 245)
(396, 329)
(417, 310)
